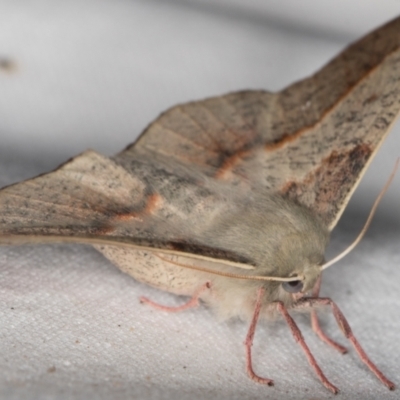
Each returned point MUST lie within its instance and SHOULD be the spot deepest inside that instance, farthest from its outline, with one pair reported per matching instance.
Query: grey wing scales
(310, 142)
(86, 195)
(94, 200)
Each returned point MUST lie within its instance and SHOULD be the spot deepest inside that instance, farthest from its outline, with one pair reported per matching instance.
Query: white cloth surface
(93, 74)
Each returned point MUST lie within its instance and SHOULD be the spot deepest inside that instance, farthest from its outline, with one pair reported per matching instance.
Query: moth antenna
(368, 222)
(232, 275)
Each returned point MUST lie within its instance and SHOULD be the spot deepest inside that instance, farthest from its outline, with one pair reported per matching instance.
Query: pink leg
(345, 328)
(298, 337)
(193, 301)
(317, 327)
(249, 342)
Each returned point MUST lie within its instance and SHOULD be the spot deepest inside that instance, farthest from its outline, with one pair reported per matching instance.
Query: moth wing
(310, 142)
(91, 199)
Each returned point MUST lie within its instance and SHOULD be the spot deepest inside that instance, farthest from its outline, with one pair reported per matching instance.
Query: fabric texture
(77, 75)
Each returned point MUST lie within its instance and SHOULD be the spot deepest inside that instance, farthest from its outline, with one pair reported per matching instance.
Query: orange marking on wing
(230, 163)
(153, 202)
(285, 139)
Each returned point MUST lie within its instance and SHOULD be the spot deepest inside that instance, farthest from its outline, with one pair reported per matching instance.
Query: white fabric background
(93, 74)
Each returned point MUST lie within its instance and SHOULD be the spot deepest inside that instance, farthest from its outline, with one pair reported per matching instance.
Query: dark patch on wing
(329, 181)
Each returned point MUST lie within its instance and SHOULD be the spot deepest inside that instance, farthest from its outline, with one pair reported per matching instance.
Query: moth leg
(249, 342)
(317, 327)
(298, 337)
(348, 333)
(191, 303)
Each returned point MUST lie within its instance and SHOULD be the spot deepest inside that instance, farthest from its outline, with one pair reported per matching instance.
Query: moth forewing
(247, 184)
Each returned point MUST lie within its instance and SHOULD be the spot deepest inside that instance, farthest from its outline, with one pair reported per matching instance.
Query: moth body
(230, 199)
(280, 237)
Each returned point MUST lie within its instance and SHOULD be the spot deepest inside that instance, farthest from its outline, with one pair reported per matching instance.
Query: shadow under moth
(230, 200)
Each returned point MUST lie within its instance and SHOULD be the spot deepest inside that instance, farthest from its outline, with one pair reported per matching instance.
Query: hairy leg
(249, 342)
(348, 333)
(298, 337)
(317, 327)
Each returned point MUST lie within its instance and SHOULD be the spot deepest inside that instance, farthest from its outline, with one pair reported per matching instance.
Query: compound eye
(293, 286)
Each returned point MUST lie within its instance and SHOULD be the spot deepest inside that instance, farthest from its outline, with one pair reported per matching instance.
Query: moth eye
(293, 286)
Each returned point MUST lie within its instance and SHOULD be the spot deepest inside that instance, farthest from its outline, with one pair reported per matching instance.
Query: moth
(230, 200)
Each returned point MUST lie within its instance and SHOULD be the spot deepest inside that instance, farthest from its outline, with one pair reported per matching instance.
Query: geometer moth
(229, 200)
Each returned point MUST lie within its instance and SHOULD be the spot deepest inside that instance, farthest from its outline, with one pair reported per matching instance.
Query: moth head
(304, 281)
(298, 259)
